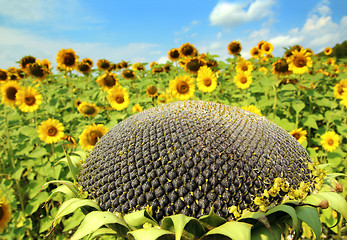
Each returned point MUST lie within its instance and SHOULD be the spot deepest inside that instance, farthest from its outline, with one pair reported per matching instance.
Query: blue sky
(145, 30)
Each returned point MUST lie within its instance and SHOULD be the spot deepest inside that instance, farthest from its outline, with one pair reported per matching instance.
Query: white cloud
(232, 14)
(162, 59)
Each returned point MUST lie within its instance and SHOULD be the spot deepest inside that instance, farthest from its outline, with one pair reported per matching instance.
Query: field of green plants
(53, 114)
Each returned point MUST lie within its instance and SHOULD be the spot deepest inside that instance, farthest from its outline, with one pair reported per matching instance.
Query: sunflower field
(52, 117)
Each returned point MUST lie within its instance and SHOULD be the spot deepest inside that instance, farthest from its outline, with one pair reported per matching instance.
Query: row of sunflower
(46, 112)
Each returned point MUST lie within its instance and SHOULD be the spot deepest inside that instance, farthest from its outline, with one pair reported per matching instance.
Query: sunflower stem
(53, 151)
(10, 150)
(274, 106)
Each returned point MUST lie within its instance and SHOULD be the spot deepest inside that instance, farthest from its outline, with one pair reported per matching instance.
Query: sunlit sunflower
(267, 48)
(243, 80)
(299, 61)
(51, 131)
(330, 61)
(152, 91)
(255, 52)
(243, 65)
(28, 99)
(263, 69)
(47, 64)
(124, 64)
(67, 59)
(107, 81)
(174, 54)
(26, 61)
(128, 74)
(152, 64)
(88, 109)
(118, 98)
(234, 48)
(138, 67)
(3, 76)
(9, 92)
(136, 108)
(330, 141)
(281, 68)
(157, 69)
(37, 70)
(212, 63)
(188, 50)
(103, 64)
(344, 98)
(328, 51)
(182, 87)
(5, 213)
(206, 79)
(252, 108)
(91, 135)
(299, 134)
(339, 88)
(85, 66)
(167, 67)
(289, 52)
(193, 65)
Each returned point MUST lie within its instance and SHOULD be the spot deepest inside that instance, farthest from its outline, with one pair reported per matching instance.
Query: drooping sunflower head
(47, 64)
(136, 108)
(5, 212)
(182, 87)
(9, 92)
(255, 52)
(128, 74)
(167, 67)
(88, 109)
(37, 70)
(28, 99)
(67, 59)
(234, 48)
(212, 64)
(157, 69)
(206, 80)
(85, 66)
(152, 64)
(26, 61)
(281, 68)
(51, 131)
(330, 141)
(107, 81)
(252, 108)
(299, 135)
(289, 52)
(339, 88)
(103, 64)
(152, 91)
(3, 76)
(267, 48)
(328, 51)
(124, 64)
(188, 50)
(91, 135)
(118, 98)
(174, 54)
(243, 80)
(193, 64)
(299, 61)
(138, 67)
(243, 65)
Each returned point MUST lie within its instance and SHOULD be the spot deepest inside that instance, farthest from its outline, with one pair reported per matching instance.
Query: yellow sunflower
(339, 88)
(51, 131)
(3, 76)
(118, 98)
(26, 61)
(263, 69)
(344, 98)
(152, 91)
(244, 66)
(124, 64)
(5, 213)
(67, 59)
(28, 99)
(174, 54)
(91, 135)
(267, 48)
(252, 108)
(193, 65)
(328, 50)
(234, 48)
(330, 61)
(330, 141)
(88, 109)
(152, 64)
(107, 81)
(9, 92)
(128, 74)
(138, 67)
(37, 70)
(47, 64)
(157, 69)
(188, 50)
(260, 44)
(85, 66)
(136, 108)
(182, 87)
(103, 64)
(299, 134)
(167, 67)
(281, 68)
(255, 52)
(206, 79)
(243, 80)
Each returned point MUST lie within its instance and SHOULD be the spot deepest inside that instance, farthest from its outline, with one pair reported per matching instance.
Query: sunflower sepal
(137, 219)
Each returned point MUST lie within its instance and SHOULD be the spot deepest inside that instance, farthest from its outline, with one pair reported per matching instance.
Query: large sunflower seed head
(191, 156)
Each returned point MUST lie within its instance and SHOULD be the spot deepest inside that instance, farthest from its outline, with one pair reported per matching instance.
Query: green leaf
(212, 220)
(255, 217)
(150, 234)
(277, 212)
(93, 221)
(35, 203)
(310, 216)
(38, 153)
(138, 218)
(264, 233)
(68, 184)
(336, 202)
(310, 122)
(72, 166)
(181, 223)
(233, 230)
(298, 106)
(102, 232)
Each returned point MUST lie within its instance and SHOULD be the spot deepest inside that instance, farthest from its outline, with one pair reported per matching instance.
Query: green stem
(53, 151)
(274, 106)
